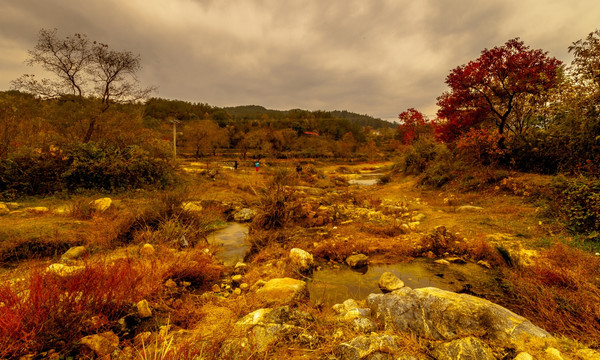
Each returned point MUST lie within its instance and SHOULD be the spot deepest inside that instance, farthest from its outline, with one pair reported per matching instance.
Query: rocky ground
(261, 307)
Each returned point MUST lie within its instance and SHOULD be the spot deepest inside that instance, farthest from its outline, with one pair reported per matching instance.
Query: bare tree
(85, 69)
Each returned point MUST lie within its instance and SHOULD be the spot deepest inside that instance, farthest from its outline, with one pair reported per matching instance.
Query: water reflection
(332, 286)
(232, 240)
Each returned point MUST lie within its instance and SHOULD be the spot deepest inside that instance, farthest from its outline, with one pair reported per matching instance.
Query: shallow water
(365, 179)
(232, 243)
(333, 286)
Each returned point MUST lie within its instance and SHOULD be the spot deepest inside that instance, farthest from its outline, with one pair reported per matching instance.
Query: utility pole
(174, 122)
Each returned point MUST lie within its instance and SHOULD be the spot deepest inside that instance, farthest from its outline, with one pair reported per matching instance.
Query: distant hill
(250, 112)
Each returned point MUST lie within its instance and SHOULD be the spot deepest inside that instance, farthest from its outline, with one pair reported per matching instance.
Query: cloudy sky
(373, 57)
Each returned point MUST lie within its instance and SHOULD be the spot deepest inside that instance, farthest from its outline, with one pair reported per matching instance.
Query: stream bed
(232, 241)
(330, 286)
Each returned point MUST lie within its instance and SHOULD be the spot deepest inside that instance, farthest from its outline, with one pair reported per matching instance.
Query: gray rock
(74, 253)
(244, 215)
(301, 260)
(469, 348)
(101, 205)
(357, 261)
(443, 315)
(364, 325)
(283, 290)
(100, 344)
(368, 347)
(389, 282)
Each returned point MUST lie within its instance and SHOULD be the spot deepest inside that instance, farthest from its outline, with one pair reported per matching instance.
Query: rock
(101, 205)
(443, 315)
(484, 263)
(147, 250)
(74, 253)
(37, 209)
(456, 260)
(244, 215)
(170, 284)
(301, 260)
(357, 261)
(143, 309)
(101, 344)
(419, 217)
(193, 206)
(523, 356)
(266, 326)
(12, 205)
(216, 288)
(368, 347)
(469, 208)
(553, 354)
(469, 348)
(240, 268)
(364, 325)
(442, 262)
(588, 354)
(236, 279)
(4, 210)
(283, 291)
(237, 291)
(63, 270)
(389, 282)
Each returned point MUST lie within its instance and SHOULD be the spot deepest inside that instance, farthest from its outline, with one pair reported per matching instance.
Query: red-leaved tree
(413, 124)
(499, 89)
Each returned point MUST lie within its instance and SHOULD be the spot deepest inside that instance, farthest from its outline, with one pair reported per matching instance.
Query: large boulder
(443, 315)
(264, 327)
(301, 260)
(469, 348)
(283, 291)
(369, 347)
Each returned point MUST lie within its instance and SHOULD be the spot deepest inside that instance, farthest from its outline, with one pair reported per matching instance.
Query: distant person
(235, 165)
(298, 169)
(257, 164)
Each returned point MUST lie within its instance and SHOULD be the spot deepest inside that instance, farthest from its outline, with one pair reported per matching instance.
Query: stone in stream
(389, 282)
(357, 261)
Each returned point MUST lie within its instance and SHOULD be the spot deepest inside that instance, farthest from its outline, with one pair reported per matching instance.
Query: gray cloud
(377, 57)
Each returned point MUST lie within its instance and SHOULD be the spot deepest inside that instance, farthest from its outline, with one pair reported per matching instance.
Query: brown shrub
(560, 293)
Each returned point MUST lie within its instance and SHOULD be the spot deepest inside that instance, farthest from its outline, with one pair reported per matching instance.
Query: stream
(368, 179)
(233, 242)
(331, 286)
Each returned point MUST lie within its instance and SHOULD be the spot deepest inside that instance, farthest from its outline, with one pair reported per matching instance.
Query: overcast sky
(366, 56)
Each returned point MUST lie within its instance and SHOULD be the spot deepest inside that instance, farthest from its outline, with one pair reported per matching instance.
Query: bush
(579, 201)
(422, 154)
(82, 166)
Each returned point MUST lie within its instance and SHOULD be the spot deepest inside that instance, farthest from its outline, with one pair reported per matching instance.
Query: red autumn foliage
(413, 125)
(495, 86)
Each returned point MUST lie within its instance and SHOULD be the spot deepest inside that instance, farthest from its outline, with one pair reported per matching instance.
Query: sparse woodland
(105, 235)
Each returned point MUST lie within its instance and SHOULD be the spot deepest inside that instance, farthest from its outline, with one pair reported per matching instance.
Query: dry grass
(560, 293)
